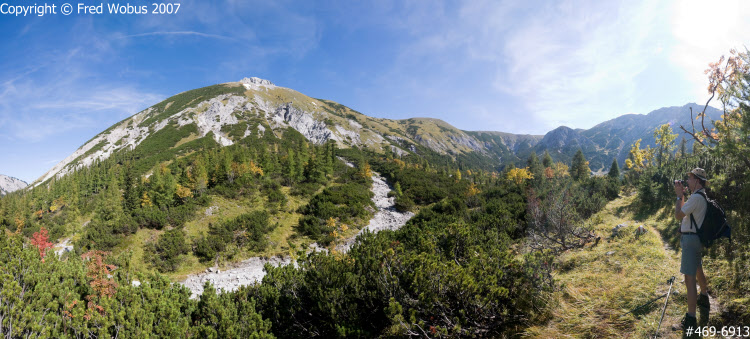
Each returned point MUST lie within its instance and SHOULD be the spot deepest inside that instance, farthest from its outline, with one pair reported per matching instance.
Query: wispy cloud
(572, 62)
(181, 33)
(64, 93)
(31, 117)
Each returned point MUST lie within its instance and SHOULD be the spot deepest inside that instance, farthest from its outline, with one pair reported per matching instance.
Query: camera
(683, 182)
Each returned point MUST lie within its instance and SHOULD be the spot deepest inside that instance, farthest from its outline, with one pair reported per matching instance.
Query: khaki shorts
(691, 254)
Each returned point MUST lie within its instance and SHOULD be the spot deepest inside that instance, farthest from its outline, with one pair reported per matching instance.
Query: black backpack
(714, 224)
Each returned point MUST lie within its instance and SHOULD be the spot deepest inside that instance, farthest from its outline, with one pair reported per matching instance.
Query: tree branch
(703, 117)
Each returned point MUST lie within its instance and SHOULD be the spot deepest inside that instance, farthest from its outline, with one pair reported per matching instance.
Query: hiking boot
(688, 324)
(704, 309)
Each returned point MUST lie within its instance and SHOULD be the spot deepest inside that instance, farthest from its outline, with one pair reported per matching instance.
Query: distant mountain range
(10, 184)
(253, 108)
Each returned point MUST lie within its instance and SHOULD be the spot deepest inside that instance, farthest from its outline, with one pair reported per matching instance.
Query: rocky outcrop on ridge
(10, 184)
(314, 130)
(219, 111)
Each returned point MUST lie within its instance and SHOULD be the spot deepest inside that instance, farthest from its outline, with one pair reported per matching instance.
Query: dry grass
(599, 285)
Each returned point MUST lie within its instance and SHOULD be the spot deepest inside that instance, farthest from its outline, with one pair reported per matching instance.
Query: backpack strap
(702, 193)
(693, 223)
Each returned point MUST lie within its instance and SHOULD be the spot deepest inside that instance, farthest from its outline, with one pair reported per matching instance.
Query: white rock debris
(353, 135)
(354, 124)
(386, 217)
(247, 272)
(63, 247)
(398, 151)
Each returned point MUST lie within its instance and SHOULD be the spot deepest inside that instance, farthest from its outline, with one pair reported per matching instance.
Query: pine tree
(614, 170)
(547, 159)
(313, 171)
(289, 168)
(535, 167)
(163, 186)
(199, 175)
(132, 194)
(579, 169)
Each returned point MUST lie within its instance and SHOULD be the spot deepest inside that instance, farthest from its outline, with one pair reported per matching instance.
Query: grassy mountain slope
(602, 286)
(228, 113)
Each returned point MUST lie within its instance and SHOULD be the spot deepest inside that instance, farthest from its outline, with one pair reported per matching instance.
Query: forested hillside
(458, 268)
(488, 253)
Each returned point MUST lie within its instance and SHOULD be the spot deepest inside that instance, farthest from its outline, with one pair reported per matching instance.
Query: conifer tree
(109, 221)
(547, 159)
(533, 163)
(226, 166)
(313, 171)
(290, 167)
(614, 170)
(535, 168)
(579, 169)
(132, 194)
(163, 186)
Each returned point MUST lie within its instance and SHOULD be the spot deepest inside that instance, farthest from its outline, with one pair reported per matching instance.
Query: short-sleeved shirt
(697, 206)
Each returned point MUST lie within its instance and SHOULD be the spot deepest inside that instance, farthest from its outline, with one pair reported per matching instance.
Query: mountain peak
(255, 81)
(10, 184)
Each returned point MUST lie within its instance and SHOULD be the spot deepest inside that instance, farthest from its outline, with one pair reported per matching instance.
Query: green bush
(247, 230)
(207, 247)
(404, 204)
(346, 203)
(165, 253)
(150, 217)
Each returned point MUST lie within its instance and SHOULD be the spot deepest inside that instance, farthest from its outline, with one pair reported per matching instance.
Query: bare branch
(693, 135)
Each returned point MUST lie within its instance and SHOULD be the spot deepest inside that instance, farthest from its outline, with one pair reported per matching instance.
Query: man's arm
(678, 208)
(679, 191)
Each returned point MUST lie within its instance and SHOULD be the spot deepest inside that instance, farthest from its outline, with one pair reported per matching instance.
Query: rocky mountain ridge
(10, 184)
(252, 107)
(229, 112)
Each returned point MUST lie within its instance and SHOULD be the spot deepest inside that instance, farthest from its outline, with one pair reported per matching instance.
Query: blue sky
(512, 66)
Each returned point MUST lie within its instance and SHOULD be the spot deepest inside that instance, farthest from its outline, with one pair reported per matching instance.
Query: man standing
(691, 265)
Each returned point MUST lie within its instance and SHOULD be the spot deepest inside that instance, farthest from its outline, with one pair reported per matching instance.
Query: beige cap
(699, 173)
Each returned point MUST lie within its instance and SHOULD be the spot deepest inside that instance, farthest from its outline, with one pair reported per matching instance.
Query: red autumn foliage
(99, 273)
(41, 241)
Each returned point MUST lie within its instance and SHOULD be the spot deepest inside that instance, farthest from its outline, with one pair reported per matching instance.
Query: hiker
(691, 265)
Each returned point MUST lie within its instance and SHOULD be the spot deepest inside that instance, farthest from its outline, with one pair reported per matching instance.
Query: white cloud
(575, 63)
(562, 62)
